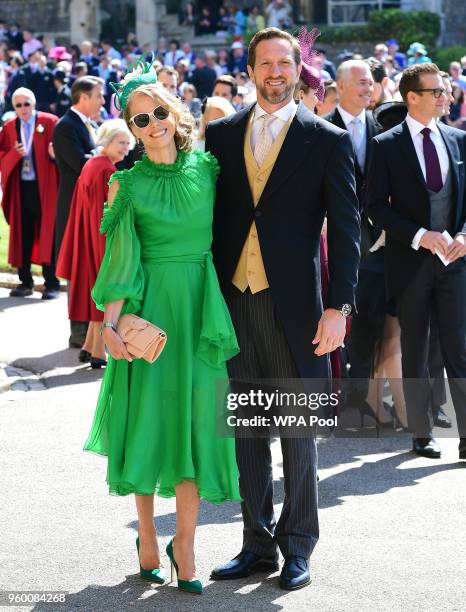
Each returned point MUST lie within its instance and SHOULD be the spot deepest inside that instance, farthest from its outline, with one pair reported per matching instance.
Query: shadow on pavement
(257, 593)
(61, 368)
(13, 302)
(374, 477)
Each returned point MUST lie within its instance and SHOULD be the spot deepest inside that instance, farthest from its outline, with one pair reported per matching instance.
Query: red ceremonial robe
(47, 179)
(83, 246)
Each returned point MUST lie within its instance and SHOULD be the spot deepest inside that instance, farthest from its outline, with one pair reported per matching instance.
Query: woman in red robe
(83, 246)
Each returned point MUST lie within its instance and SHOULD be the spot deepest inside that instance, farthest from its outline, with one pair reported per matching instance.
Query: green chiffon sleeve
(121, 276)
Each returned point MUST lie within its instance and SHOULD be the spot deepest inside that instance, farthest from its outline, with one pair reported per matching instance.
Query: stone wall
(50, 17)
(455, 23)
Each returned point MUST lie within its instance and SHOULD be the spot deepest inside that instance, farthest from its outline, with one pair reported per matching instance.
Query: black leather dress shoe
(84, 356)
(50, 294)
(21, 291)
(243, 565)
(295, 573)
(97, 363)
(462, 448)
(426, 447)
(441, 419)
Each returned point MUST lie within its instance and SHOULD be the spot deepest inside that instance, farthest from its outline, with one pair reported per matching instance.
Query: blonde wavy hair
(183, 119)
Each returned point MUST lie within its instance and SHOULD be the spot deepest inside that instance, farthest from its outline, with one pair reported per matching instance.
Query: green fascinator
(140, 72)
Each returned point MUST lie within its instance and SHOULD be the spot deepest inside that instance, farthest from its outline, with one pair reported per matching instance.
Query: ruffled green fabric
(121, 276)
(161, 424)
(217, 341)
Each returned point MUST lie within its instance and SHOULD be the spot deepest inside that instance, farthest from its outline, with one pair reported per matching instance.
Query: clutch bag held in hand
(142, 338)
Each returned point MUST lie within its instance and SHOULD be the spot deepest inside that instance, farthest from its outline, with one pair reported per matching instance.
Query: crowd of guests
(79, 85)
(29, 60)
(232, 20)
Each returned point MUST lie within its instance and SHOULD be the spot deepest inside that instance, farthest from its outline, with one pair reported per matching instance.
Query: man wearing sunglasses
(29, 184)
(417, 192)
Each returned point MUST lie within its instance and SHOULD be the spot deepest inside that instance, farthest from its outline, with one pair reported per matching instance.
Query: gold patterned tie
(90, 129)
(264, 139)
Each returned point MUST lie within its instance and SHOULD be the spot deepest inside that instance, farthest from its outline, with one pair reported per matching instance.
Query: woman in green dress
(157, 423)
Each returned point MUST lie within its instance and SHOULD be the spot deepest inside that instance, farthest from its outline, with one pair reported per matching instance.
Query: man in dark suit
(63, 93)
(282, 170)
(203, 77)
(15, 36)
(73, 142)
(39, 79)
(355, 86)
(416, 192)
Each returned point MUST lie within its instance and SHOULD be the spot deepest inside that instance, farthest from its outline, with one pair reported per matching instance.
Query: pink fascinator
(309, 74)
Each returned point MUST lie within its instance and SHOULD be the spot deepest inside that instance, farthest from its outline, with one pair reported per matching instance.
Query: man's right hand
(20, 148)
(433, 242)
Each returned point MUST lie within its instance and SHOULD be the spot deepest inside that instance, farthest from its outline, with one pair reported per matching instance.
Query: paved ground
(392, 524)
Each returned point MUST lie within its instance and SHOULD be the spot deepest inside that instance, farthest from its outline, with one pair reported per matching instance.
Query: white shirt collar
(283, 113)
(348, 117)
(84, 118)
(415, 127)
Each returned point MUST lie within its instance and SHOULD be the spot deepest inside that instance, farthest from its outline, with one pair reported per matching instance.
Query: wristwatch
(346, 310)
(109, 325)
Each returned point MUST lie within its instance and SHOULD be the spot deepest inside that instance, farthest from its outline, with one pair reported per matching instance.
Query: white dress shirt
(84, 118)
(415, 129)
(282, 116)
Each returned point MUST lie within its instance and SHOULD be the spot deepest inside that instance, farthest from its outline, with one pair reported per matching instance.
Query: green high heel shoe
(191, 586)
(154, 575)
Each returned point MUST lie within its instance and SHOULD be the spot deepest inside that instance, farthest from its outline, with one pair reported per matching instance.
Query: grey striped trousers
(265, 353)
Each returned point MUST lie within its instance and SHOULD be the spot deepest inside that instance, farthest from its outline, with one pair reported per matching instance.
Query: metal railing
(355, 12)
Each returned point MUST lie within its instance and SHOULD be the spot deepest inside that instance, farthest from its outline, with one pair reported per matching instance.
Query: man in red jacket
(29, 181)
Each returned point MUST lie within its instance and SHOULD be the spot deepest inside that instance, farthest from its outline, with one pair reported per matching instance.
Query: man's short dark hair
(269, 34)
(84, 85)
(227, 79)
(411, 77)
(377, 69)
(174, 42)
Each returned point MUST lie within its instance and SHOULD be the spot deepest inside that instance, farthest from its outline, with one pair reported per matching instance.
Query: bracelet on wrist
(107, 325)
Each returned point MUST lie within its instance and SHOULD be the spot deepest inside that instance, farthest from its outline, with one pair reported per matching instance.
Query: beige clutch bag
(143, 339)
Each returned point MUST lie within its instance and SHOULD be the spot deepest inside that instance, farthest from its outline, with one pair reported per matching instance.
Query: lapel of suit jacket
(338, 120)
(371, 131)
(303, 132)
(453, 157)
(76, 119)
(236, 152)
(407, 147)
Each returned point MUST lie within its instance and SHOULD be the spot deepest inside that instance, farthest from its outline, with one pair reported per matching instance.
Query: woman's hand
(115, 345)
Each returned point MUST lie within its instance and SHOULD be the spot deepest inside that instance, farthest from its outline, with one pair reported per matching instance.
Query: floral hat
(417, 47)
(309, 73)
(141, 72)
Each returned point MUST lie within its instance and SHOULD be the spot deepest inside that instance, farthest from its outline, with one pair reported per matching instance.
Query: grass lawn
(4, 234)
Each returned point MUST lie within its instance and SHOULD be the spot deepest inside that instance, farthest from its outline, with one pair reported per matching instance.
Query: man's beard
(278, 97)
